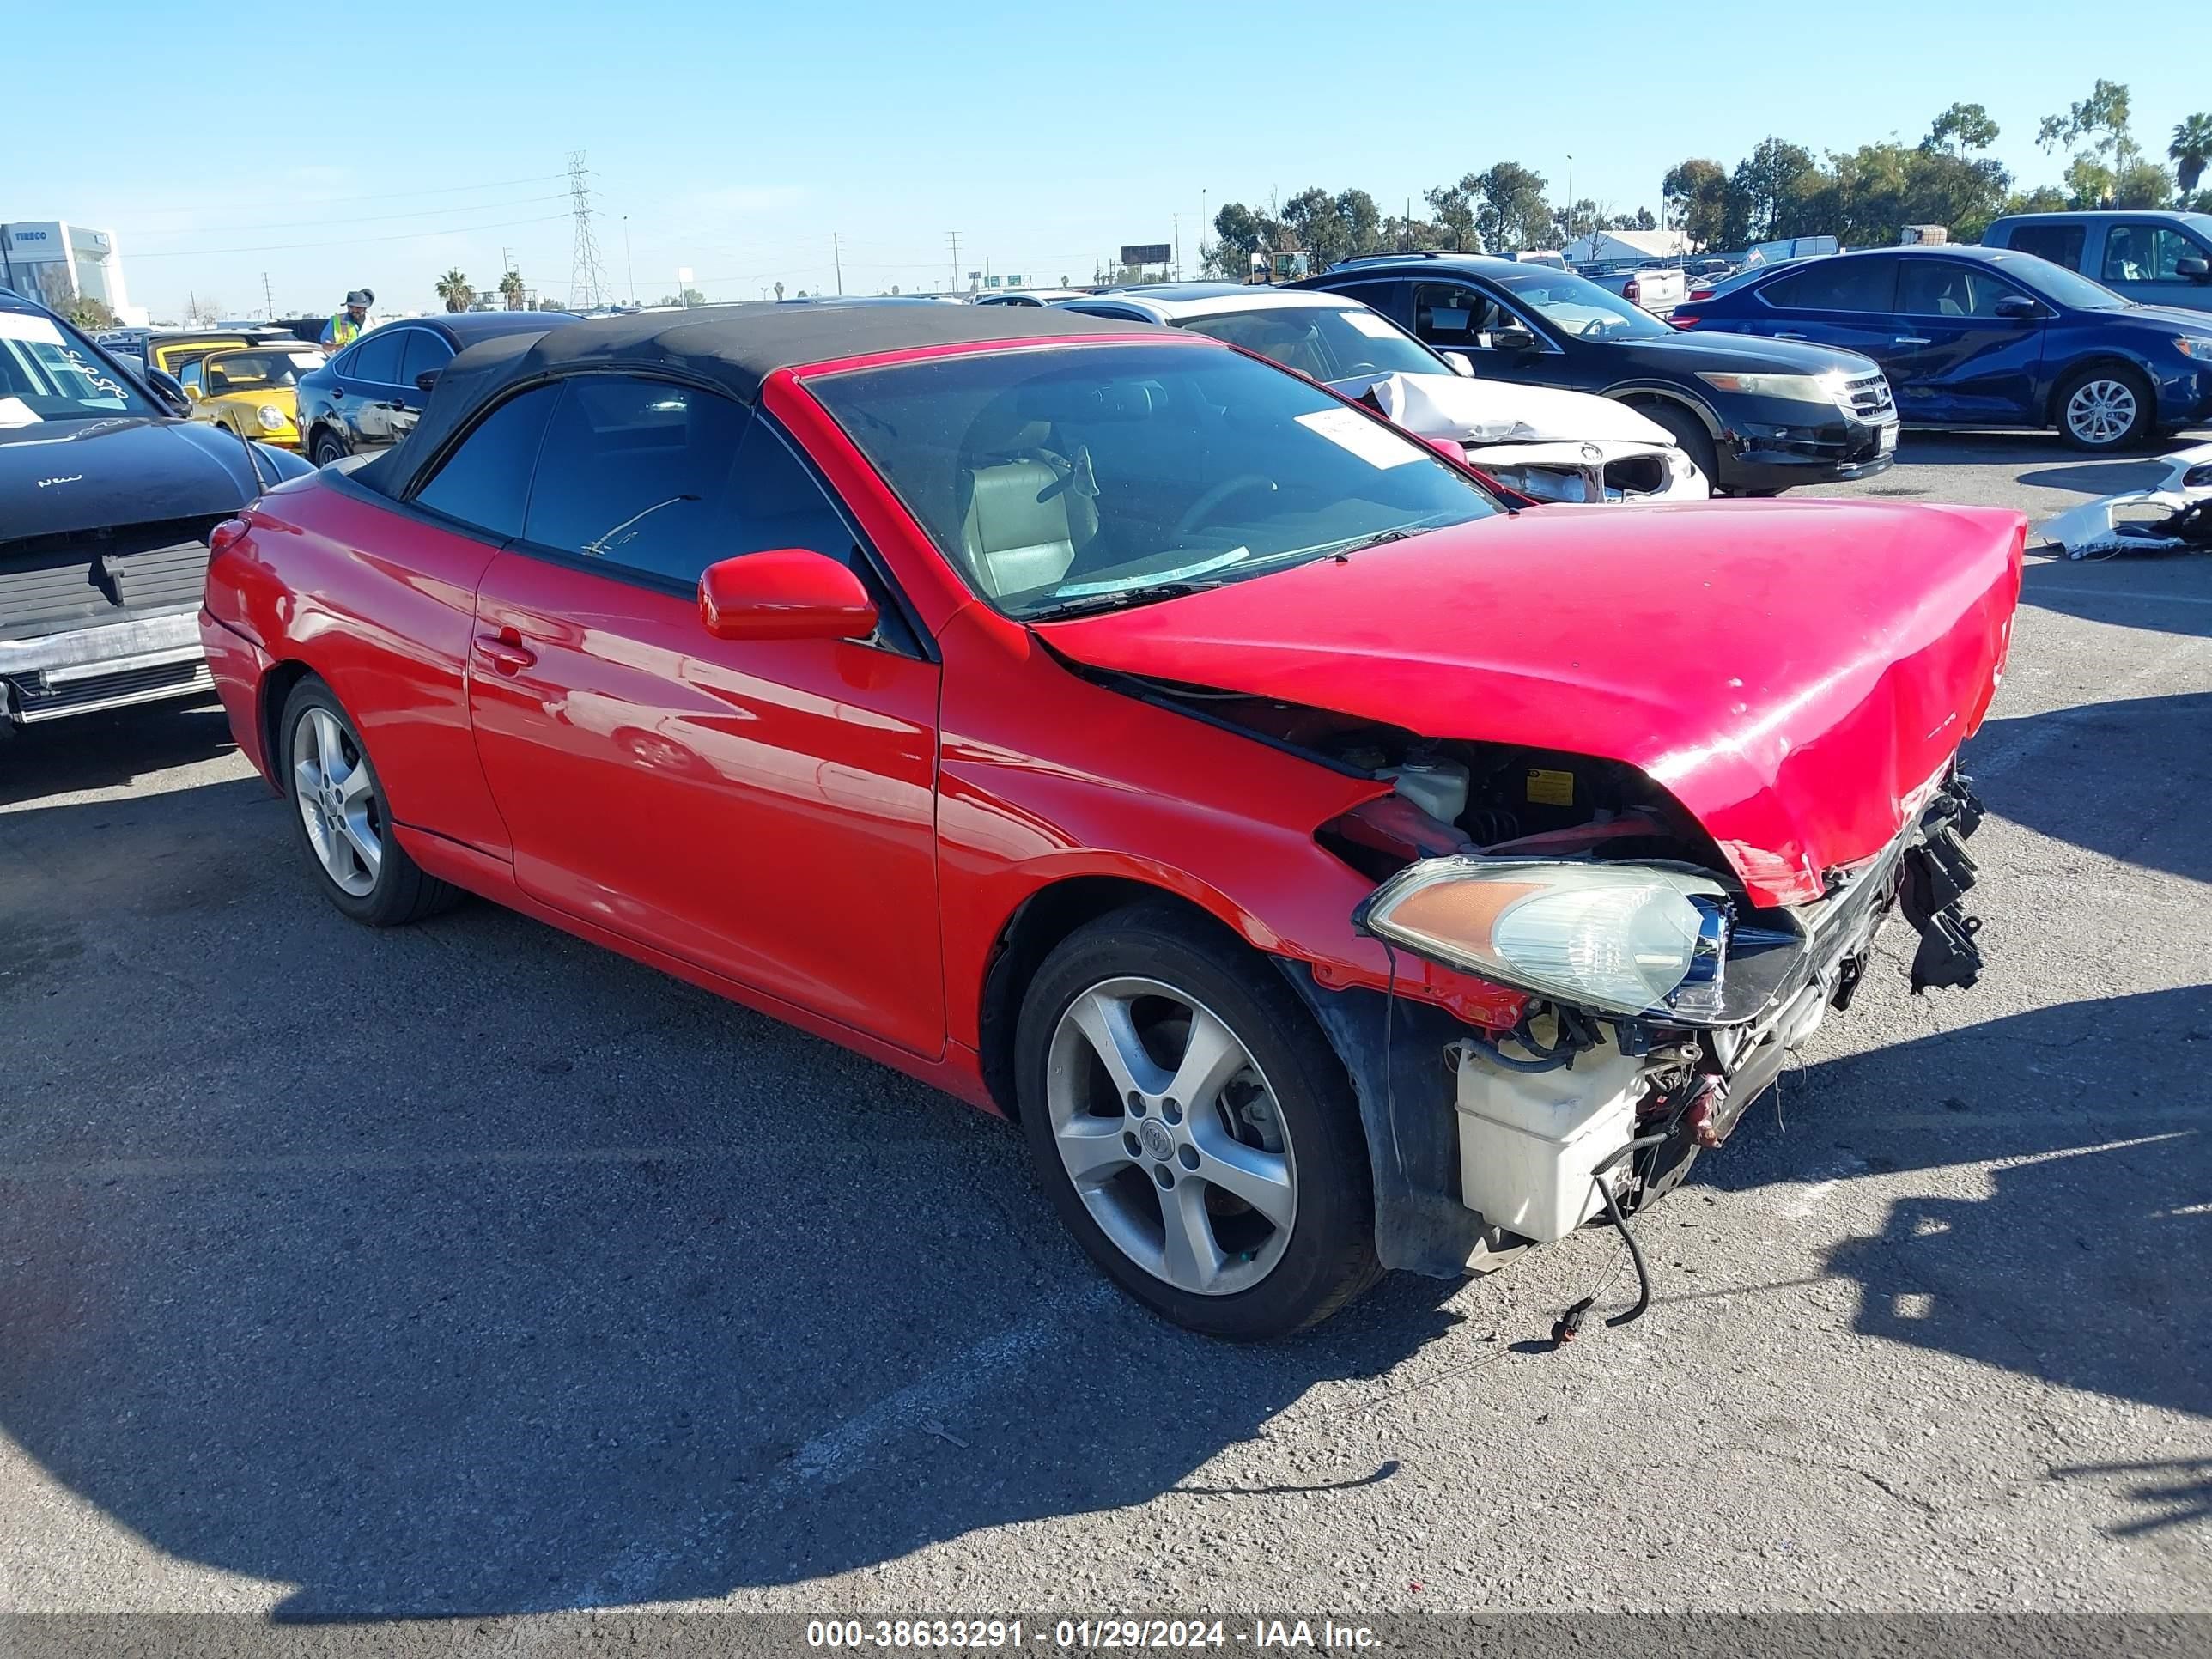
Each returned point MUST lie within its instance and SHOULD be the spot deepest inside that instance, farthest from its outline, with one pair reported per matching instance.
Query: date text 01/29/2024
(1088, 1634)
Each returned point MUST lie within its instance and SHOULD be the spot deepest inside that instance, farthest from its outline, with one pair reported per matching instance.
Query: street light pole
(627, 265)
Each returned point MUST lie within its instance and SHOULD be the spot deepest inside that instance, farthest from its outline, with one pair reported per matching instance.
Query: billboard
(1146, 253)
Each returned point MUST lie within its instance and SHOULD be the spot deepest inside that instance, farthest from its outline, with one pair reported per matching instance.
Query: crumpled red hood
(1793, 672)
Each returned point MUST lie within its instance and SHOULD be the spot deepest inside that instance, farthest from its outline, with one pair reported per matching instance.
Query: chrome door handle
(1789, 336)
(1910, 339)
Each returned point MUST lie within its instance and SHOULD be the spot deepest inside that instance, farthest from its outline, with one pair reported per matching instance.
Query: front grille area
(1870, 397)
(48, 583)
(108, 690)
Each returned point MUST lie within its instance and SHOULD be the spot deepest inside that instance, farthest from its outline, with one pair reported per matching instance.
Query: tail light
(1682, 321)
(226, 535)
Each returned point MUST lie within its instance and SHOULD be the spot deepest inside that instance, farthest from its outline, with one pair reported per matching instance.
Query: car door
(1844, 302)
(764, 809)
(2143, 261)
(1953, 359)
(367, 391)
(425, 352)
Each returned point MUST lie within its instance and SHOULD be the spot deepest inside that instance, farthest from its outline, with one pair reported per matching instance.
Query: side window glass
(1382, 296)
(637, 473)
(2060, 244)
(424, 352)
(1836, 285)
(486, 480)
(775, 502)
(376, 358)
(1445, 313)
(2147, 253)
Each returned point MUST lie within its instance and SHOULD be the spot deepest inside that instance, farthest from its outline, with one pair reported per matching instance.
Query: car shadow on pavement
(468, 1269)
(2087, 785)
(2078, 1258)
(99, 751)
(2111, 478)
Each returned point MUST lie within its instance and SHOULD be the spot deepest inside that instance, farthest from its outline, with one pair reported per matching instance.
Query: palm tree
(454, 288)
(510, 290)
(2191, 151)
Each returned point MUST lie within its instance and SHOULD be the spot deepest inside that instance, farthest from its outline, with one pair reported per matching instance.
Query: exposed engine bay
(1522, 867)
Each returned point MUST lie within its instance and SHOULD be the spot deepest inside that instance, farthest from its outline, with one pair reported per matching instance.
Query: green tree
(1312, 218)
(2043, 199)
(454, 288)
(2099, 124)
(2190, 152)
(1961, 128)
(88, 312)
(1771, 194)
(1453, 206)
(1241, 232)
(1696, 196)
(1362, 221)
(1641, 219)
(1511, 213)
(511, 291)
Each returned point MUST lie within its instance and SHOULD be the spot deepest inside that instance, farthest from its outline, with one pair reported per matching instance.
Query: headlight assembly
(272, 420)
(2195, 345)
(1616, 938)
(1831, 387)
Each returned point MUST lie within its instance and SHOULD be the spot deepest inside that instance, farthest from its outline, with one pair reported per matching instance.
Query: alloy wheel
(1172, 1136)
(2101, 412)
(337, 797)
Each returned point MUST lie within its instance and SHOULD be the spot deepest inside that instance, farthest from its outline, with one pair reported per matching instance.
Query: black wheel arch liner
(1669, 391)
(1410, 1116)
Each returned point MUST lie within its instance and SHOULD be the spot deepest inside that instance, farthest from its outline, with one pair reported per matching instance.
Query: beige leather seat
(1022, 524)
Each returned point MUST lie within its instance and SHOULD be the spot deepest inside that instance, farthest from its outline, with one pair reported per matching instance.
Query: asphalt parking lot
(468, 1268)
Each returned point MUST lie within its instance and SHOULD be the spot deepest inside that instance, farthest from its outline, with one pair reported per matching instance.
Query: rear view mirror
(1460, 365)
(1512, 339)
(2196, 270)
(169, 389)
(785, 594)
(426, 379)
(2018, 307)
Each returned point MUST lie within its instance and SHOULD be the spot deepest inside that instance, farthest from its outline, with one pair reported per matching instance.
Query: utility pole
(628, 268)
(1570, 225)
(955, 260)
(1175, 219)
(268, 304)
(837, 260)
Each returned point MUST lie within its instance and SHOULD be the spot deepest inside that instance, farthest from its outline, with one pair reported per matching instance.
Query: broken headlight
(1614, 938)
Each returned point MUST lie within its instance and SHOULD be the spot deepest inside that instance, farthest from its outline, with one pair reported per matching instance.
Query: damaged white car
(1538, 442)
(2175, 516)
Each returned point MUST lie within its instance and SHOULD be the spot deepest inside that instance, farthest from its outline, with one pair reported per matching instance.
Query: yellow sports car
(249, 389)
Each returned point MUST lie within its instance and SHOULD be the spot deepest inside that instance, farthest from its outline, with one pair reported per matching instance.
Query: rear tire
(1235, 1091)
(339, 816)
(2104, 408)
(1689, 434)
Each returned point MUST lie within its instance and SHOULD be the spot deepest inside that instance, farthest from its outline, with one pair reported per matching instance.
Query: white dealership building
(55, 262)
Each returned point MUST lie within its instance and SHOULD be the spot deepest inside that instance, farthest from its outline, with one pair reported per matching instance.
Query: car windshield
(1329, 343)
(1582, 309)
(47, 374)
(2068, 288)
(259, 371)
(1074, 478)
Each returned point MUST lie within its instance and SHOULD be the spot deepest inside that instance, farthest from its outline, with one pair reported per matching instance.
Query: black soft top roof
(730, 348)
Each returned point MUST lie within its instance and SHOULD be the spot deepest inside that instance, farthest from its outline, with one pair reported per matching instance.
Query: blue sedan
(1977, 336)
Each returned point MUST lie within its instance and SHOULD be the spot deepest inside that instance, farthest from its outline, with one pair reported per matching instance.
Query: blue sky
(382, 143)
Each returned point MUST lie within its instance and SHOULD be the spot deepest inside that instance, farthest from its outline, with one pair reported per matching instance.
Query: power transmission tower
(586, 281)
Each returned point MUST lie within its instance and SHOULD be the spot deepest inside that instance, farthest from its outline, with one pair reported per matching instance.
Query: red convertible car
(1333, 865)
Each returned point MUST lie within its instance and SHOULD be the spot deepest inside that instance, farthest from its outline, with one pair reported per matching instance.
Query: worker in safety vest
(347, 326)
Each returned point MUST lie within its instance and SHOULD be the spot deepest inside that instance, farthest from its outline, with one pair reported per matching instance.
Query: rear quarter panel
(380, 605)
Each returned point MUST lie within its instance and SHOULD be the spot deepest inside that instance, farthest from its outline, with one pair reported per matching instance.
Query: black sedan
(368, 396)
(1757, 416)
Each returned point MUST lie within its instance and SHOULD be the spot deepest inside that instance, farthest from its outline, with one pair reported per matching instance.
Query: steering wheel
(1593, 329)
(1202, 509)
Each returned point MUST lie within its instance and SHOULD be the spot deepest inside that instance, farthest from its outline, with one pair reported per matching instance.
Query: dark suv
(1757, 416)
(368, 396)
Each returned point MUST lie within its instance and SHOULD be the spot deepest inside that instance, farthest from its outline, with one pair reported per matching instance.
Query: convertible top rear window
(1071, 477)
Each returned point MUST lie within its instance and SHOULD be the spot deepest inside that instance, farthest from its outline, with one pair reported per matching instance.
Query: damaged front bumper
(1506, 1142)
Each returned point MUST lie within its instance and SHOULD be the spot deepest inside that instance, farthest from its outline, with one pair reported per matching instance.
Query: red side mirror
(785, 594)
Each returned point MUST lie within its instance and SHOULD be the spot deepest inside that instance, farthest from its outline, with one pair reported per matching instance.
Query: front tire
(327, 449)
(1689, 434)
(2102, 408)
(338, 816)
(1194, 1128)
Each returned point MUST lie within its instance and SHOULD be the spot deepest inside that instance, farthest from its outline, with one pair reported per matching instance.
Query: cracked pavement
(469, 1269)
